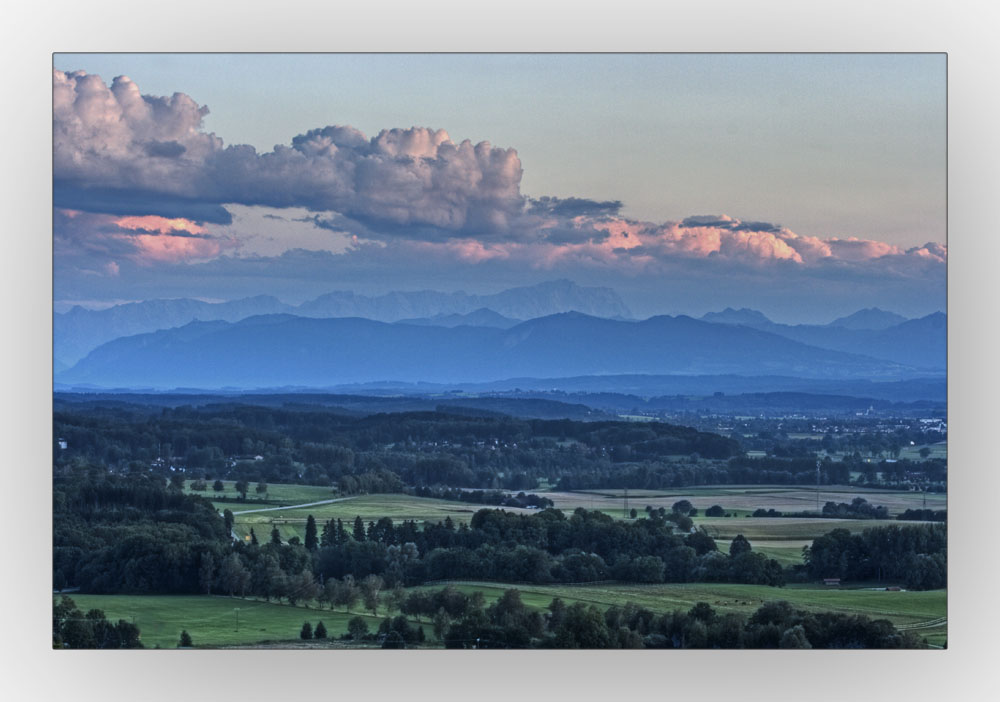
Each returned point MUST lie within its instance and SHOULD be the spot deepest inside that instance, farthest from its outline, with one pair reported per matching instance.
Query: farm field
(743, 499)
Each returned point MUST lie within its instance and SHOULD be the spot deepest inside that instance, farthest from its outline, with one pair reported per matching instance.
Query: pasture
(211, 620)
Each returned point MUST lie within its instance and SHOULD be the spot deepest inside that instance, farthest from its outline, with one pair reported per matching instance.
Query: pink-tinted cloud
(638, 246)
(143, 240)
(731, 239)
(153, 223)
(854, 249)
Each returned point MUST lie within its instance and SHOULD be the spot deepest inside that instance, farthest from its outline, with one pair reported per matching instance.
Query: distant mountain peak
(869, 318)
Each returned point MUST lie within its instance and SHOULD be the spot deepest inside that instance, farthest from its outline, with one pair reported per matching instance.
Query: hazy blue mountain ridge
(870, 318)
(77, 332)
(918, 343)
(286, 350)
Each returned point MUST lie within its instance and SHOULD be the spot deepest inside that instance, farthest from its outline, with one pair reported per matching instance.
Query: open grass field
(913, 452)
(276, 495)
(211, 621)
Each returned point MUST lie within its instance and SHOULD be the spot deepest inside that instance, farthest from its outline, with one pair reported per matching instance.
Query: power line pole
(817, 485)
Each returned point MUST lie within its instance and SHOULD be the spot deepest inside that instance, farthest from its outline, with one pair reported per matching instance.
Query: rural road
(307, 504)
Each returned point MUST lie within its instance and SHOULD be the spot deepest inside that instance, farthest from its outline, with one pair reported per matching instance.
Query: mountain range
(918, 343)
(288, 350)
(79, 330)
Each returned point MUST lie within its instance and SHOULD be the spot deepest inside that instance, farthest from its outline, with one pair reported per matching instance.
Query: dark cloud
(707, 221)
(574, 207)
(165, 149)
(121, 201)
(757, 227)
(730, 223)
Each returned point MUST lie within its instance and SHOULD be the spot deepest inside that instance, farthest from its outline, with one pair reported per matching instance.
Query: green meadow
(212, 620)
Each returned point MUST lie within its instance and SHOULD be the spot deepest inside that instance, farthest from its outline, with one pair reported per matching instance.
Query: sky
(805, 186)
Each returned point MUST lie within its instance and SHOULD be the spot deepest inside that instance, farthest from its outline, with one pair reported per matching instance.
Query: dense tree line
(859, 508)
(544, 547)
(916, 555)
(509, 623)
(463, 620)
(485, 497)
(365, 454)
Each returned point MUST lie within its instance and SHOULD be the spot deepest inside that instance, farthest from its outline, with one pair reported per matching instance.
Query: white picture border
(965, 30)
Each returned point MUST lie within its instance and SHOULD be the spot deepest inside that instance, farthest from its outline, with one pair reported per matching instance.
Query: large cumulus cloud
(125, 148)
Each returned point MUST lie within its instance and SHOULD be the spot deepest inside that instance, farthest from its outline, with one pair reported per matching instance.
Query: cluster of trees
(114, 534)
(72, 628)
(916, 555)
(508, 623)
(485, 497)
(546, 546)
(859, 508)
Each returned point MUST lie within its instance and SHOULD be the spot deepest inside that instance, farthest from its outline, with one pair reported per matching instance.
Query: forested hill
(348, 405)
(384, 451)
(226, 426)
